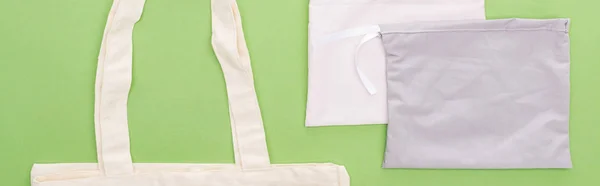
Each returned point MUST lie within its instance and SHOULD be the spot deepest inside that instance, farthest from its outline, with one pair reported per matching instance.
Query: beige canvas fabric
(115, 167)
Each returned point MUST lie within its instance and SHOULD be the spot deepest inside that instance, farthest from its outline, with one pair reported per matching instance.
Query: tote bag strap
(113, 81)
(246, 122)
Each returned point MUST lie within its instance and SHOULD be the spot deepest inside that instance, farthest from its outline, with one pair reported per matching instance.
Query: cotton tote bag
(342, 91)
(478, 94)
(115, 167)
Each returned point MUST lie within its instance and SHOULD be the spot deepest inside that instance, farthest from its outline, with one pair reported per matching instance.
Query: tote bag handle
(113, 82)
(246, 121)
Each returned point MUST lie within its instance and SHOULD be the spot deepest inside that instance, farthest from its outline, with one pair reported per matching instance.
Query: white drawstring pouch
(478, 94)
(341, 92)
(115, 167)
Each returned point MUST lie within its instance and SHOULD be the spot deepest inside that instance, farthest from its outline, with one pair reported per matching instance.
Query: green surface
(178, 110)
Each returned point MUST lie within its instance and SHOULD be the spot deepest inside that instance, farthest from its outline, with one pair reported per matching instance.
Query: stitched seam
(473, 30)
(106, 46)
(234, 126)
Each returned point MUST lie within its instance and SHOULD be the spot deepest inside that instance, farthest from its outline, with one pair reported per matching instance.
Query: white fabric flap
(338, 92)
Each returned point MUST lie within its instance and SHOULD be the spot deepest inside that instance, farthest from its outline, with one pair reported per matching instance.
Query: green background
(178, 110)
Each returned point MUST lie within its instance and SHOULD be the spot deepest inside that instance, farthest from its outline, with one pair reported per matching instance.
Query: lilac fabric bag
(480, 94)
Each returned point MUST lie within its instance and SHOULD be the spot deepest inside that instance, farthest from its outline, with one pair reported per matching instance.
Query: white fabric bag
(115, 167)
(481, 94)
(342, 91)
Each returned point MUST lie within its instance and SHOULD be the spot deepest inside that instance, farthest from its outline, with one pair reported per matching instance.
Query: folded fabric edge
(512, 24)
(376, 2)
(321, 124)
